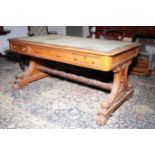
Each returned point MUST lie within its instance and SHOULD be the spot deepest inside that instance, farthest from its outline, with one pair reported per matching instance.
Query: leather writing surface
(78, 42)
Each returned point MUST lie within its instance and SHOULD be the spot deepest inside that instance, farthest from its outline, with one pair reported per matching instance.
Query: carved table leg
(31, 74)
(119, 93)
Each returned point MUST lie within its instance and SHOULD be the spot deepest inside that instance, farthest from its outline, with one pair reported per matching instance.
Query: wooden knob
(85, 57)
(58, 54)
(36, 51)
(23, 49)
(93, 62)
(75, 59)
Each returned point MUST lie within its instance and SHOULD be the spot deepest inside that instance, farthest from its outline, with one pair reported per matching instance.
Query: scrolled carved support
(115, 88)
(31, 74)
(119, 93)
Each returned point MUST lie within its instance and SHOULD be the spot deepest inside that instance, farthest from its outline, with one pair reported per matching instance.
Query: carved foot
(105, 104)
(119, 93)
(131, 94)
(18, 84)
(20, 76)
(101, 120)
(31, 74)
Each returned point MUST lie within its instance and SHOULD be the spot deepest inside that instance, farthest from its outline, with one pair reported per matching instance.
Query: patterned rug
(57, 103)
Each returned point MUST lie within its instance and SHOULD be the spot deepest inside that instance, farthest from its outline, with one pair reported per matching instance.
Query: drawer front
(70, 57)
(19, 47)
(43, 52)
(86, 60)
(66, 56)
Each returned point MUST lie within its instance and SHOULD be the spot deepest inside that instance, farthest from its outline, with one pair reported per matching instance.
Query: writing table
(103, 55)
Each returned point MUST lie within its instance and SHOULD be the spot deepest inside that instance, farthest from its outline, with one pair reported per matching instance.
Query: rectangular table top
(102, 46)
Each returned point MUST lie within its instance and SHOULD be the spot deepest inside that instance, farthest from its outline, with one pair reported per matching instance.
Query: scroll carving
(119, 93)
(31, 74)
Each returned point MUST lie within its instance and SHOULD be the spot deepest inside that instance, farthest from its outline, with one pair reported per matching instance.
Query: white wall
(16, 31)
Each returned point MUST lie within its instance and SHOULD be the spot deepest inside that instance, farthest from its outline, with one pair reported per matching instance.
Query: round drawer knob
(14, 46)
(58, 54)
(75, 59)
(36, 51)
(93, 62)
(85, 57)
(23, 49)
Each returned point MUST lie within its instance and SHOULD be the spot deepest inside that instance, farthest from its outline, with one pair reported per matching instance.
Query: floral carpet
(57, 103)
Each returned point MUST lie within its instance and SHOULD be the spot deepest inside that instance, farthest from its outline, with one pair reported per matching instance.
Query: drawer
(94, 61)
(19, 47)
(45, 52)
(86, 59)
(66, 56)
(35, 50)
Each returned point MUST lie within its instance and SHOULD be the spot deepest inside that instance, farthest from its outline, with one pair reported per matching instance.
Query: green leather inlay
(78, 42)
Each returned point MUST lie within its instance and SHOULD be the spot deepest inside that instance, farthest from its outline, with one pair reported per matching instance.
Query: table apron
(93, 61)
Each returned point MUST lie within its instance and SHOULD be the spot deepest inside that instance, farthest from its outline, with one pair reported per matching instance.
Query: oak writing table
(103, 55)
